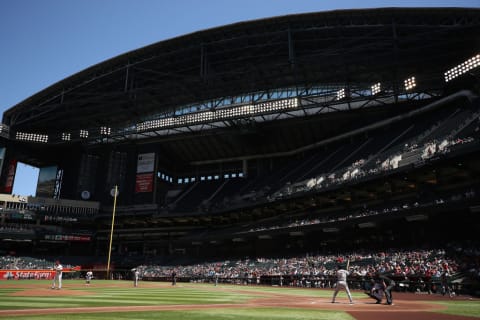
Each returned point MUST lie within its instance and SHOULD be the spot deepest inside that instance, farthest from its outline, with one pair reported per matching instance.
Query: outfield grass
(119, 293)
(34, 294)
(231, 314)
(461, 308)
(110, 294)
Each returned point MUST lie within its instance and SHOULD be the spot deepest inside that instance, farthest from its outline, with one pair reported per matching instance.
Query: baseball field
(33, 299)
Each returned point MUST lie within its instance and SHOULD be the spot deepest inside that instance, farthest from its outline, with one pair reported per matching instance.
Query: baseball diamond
(106, 299)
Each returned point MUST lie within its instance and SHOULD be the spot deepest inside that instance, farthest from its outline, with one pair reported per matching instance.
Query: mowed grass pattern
(223, 314)
(17, 295)
(110, 294)
(210, 302)
(462, 308)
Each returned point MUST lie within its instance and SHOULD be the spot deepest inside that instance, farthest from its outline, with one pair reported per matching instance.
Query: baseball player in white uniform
(342, 283)
(57, 279)
(88, 277)
(136, 276)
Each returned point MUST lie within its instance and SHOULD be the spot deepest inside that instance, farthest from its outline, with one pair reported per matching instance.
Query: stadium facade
(341, 129)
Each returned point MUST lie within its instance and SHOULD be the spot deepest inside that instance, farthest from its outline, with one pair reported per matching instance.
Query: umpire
(388, 284)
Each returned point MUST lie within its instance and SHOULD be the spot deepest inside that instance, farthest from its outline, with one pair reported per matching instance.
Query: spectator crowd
(415, 270)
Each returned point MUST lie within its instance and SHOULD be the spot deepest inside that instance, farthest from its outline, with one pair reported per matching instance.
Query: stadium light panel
(105, 131)
(32, 137)
(410, 83)
(340, 94)
(84, 134)
(219, 114)
(376, 88)
(462, 68)
(66, 136)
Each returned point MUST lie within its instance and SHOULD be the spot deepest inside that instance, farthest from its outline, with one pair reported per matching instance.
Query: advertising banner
(12, 168)
(144, 183)
(67, 237)
(46, 181)
(32, 273)
(146, 162)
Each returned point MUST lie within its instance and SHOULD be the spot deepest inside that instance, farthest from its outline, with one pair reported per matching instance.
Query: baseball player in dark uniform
(388, 285)
(174, 277)
(377, 290)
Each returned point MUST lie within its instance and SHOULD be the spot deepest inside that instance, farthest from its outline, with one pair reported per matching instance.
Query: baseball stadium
(236, 172)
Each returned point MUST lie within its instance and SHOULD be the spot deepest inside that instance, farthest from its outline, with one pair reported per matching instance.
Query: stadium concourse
(268, 149)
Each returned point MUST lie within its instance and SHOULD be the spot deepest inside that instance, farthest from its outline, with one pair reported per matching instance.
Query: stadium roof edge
(91, 69)
(120, 61)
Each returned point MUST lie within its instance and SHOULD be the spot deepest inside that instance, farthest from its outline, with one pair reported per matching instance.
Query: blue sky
(45, 41)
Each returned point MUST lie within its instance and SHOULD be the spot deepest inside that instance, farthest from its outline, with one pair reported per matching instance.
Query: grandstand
(310, 133)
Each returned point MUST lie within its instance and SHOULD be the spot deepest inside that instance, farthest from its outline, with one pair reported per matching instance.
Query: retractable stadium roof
(307, 58)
